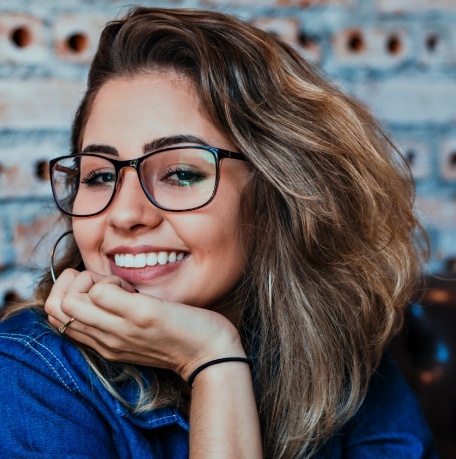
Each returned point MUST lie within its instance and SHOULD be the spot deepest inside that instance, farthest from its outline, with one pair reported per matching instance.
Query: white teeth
(141, 260)
(162, 258)
(129, 261)
(151, 259)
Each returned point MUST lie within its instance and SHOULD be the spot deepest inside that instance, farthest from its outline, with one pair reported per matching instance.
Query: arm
(224, 419)
(123, 325)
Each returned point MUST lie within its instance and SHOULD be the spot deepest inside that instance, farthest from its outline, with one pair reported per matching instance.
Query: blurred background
(397, 56)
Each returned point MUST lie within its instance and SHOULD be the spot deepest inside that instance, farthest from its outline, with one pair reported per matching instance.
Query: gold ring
(65, 326)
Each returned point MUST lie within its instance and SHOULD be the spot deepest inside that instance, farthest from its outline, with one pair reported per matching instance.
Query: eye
(183, 176)
(98, 178)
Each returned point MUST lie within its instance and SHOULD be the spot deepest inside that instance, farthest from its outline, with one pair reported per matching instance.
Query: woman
(268, 217)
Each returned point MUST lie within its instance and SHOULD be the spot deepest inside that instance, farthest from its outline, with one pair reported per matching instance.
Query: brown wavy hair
(331, 232)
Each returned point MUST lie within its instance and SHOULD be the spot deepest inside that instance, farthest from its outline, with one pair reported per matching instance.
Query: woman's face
(127, 114)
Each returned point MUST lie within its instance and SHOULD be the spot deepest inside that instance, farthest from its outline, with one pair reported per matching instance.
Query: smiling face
(192, 257)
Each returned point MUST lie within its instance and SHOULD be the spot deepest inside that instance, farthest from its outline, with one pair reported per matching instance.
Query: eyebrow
(100, 149)
(164, 142)
(156, 144)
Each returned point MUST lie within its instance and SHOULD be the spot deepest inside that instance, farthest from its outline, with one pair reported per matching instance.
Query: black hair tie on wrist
(214, 362)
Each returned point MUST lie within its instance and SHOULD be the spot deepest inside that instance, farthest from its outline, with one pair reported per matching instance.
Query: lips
(140, 265)
(141, 260)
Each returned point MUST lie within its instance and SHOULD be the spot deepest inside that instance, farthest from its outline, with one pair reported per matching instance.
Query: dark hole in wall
(394, 45)
(42, 170)
(452, 159)
(305, 3)
(305, 40)
(431, 42)
(21, 37)
(355, 42)
(77, 43)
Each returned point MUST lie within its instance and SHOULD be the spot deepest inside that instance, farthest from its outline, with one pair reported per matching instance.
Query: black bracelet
(213, 362)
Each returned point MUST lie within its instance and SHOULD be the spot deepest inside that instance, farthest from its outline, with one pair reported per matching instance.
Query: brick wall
(397, 56)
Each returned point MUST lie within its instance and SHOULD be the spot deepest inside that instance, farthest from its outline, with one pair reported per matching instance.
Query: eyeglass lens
(180, 179)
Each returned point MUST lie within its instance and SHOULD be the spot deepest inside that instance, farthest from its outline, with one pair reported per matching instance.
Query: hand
(123, 325)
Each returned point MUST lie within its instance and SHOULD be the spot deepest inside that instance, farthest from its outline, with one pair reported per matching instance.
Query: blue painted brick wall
(397, 56)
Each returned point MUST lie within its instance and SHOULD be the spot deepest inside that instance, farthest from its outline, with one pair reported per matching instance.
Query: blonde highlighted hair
(329, 227)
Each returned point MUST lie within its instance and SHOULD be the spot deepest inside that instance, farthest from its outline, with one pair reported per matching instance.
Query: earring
(53, 253)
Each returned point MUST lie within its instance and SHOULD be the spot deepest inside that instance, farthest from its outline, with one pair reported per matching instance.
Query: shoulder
(28, 342)
(390, 402)
(390, 422)
(46, 389)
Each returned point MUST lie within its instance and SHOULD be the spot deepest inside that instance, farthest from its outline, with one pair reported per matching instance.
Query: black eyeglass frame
(218, 153)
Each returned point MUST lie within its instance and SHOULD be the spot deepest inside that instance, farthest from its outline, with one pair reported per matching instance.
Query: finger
(58, 323)
(91, 317)
(83, 282)
(99, 343)
(113, 346)
(70, 287)
(111, 295)
(75, 293)
(80, 304)
(110, 315)
(58, 291)
(116, 280)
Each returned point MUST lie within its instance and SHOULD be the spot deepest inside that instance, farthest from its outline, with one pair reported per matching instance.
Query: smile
(128, 260)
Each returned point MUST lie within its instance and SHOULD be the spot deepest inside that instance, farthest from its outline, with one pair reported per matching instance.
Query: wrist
(227, 372)
(210, 363)
(226, 345)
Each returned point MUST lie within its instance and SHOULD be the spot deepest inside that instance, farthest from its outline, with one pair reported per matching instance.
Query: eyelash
(89, 179)
(177, 170)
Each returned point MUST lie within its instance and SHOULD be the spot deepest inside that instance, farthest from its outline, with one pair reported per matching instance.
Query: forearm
(223, 416)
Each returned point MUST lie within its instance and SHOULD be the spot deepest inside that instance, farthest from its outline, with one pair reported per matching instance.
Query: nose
(131, 209)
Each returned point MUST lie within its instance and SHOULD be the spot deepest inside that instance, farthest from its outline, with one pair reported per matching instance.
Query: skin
(178, 316)
(153, 108)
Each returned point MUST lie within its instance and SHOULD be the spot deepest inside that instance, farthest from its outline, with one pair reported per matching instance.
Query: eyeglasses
(175, 179)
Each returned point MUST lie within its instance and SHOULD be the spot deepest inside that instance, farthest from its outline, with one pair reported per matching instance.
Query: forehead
(152, 91)
(138, 109)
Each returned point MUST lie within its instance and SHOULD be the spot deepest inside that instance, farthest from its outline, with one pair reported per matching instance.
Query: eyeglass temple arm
(232, 155)
(67, 170)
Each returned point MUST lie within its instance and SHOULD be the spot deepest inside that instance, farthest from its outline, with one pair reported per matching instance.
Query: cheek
(222, 244)
(88, 236)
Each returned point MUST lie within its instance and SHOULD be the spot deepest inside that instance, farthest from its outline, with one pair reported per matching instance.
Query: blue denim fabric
(53, 406)
(389, 424)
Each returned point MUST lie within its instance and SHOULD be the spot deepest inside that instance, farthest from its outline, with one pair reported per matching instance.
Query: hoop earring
(54, 278)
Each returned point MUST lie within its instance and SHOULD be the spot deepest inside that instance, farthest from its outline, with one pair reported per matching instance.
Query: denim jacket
(53, 406)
